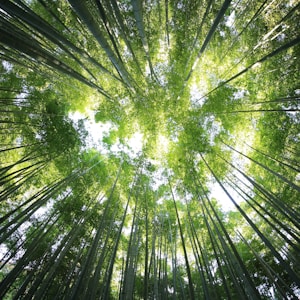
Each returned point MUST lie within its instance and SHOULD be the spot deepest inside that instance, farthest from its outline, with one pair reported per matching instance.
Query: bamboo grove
(208, 208)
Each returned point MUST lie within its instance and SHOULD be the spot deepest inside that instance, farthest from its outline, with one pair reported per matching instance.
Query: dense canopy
(149, 149)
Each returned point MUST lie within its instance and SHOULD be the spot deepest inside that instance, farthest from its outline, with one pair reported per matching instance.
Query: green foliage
(207, 207)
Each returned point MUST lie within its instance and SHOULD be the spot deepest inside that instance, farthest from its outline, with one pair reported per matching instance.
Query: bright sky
(134, 146)
(96, 132)
(218, 193)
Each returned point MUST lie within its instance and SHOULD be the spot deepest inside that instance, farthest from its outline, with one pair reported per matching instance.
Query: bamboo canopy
(149, 149)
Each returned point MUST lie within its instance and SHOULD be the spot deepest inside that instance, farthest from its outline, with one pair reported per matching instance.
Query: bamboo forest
(149, 149)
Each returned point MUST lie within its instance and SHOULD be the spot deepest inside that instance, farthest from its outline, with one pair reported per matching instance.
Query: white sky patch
(3, 252)
(42, 211)
(219, 194)
(7, 65)
(132, 148)
(136, 142)
(160, 201)
(230, 20)
(239, 94)
(158, 178)
(241, 163)
(194, 92)
(197, 91)
(213, 127)
(97, 131)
